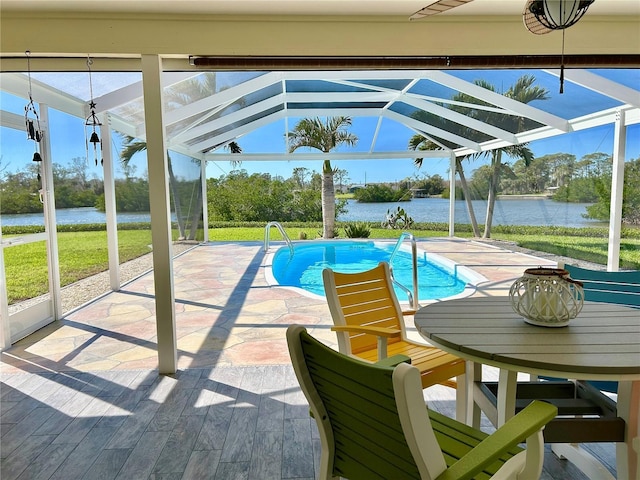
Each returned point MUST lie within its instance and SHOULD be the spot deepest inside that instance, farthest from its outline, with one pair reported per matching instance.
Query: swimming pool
(438, 277)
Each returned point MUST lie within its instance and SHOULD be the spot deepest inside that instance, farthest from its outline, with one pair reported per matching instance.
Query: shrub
(357, 230)
(381, 193)
(397, 220)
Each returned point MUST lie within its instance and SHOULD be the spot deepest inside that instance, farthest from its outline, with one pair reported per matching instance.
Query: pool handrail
(267, 232)
(413, 297)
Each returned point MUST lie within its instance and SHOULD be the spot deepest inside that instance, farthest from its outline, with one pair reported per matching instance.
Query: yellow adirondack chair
(370, 325)
(374, 424)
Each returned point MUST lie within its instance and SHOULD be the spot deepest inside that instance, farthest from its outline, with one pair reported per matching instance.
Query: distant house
(419, 193)
(354, 187)
(551, 191)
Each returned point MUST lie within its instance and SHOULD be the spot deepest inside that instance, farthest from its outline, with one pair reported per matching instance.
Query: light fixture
(32, 125)
(90, 124)
(544, 16)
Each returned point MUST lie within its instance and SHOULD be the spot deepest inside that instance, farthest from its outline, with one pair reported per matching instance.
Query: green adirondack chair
(374, 424)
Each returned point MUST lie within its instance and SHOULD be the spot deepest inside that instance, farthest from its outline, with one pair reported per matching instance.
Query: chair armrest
(377, 331)
(381, 332)
(526, 423)
(409, 313)
(394, 360)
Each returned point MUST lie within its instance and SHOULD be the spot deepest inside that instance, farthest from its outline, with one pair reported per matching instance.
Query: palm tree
(131, 146)
(324, 136)
(231, 147)
(180, 95)
(418, 142)
(523, 91)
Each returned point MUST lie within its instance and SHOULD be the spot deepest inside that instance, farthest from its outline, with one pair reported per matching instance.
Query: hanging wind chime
(32, 125)
(544, 16)
(90, 124)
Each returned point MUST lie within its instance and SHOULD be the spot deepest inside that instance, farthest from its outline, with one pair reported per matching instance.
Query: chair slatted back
(358, 406)
(374, 424)
(622, 288)
(364, 298)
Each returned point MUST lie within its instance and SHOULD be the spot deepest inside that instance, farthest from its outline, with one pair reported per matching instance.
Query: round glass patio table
(601, 343)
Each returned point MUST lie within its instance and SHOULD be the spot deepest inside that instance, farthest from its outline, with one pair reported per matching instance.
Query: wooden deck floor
(226, 423)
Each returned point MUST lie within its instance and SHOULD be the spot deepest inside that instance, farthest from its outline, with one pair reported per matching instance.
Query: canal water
(537, 211)
(520, 211)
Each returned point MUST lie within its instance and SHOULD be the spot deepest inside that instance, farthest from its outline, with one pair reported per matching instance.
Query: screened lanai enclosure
(462, 112)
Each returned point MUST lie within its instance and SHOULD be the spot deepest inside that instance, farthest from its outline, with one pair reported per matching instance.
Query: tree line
(239, 196)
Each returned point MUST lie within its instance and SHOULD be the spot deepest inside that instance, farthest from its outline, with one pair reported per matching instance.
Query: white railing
(413, 297)
(267, 232)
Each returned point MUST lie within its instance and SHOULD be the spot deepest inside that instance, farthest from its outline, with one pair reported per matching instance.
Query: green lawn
(85, 253)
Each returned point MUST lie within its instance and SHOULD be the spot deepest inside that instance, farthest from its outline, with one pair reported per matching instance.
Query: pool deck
(82, 398)
(226, 313)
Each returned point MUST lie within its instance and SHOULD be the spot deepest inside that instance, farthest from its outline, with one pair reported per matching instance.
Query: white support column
(205, 202)
(617, 184)
(50, 214)
(452, 194)
(160, 214)
(110, 206)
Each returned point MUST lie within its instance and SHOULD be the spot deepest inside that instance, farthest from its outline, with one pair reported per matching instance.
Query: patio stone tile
(263, 352)
(136, 353)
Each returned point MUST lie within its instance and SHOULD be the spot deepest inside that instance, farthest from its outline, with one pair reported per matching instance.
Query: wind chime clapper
(32, 125)
(90, 124)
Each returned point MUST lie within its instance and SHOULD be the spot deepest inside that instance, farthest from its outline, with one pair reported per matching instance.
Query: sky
(579, 143)
(68, 141)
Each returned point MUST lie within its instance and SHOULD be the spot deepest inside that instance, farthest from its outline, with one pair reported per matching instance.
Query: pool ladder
(413, 296)
(267, 232)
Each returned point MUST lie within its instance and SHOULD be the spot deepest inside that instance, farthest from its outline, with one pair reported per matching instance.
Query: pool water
(304, 268)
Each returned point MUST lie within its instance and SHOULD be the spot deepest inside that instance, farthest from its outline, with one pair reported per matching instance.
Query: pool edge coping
(471, 278)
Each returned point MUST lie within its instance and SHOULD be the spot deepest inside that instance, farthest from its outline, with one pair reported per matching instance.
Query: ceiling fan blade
(438, 7)
(531, 22)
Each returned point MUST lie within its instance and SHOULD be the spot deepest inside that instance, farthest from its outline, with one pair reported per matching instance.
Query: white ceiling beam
(362, 112)
(177, 135)
(339, 97)
(323, 112)
(309, 156)
(118, 124)
(13, 120)
(429, 129)
(514, 106)
(225, 96)
(233, 117)
(461, 119)
(272, 102)
(124, 95)
(284, 114)
(18, 85)
(236, 132)
(607, 117)
(601, 85)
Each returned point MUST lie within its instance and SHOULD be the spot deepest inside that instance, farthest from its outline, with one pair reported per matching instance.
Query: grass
(81, 254)
(84, 253)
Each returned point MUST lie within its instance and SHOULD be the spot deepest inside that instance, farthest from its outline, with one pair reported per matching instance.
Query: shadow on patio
(82, 398)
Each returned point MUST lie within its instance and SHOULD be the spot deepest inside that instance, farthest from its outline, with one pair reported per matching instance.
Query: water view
(539, 211)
